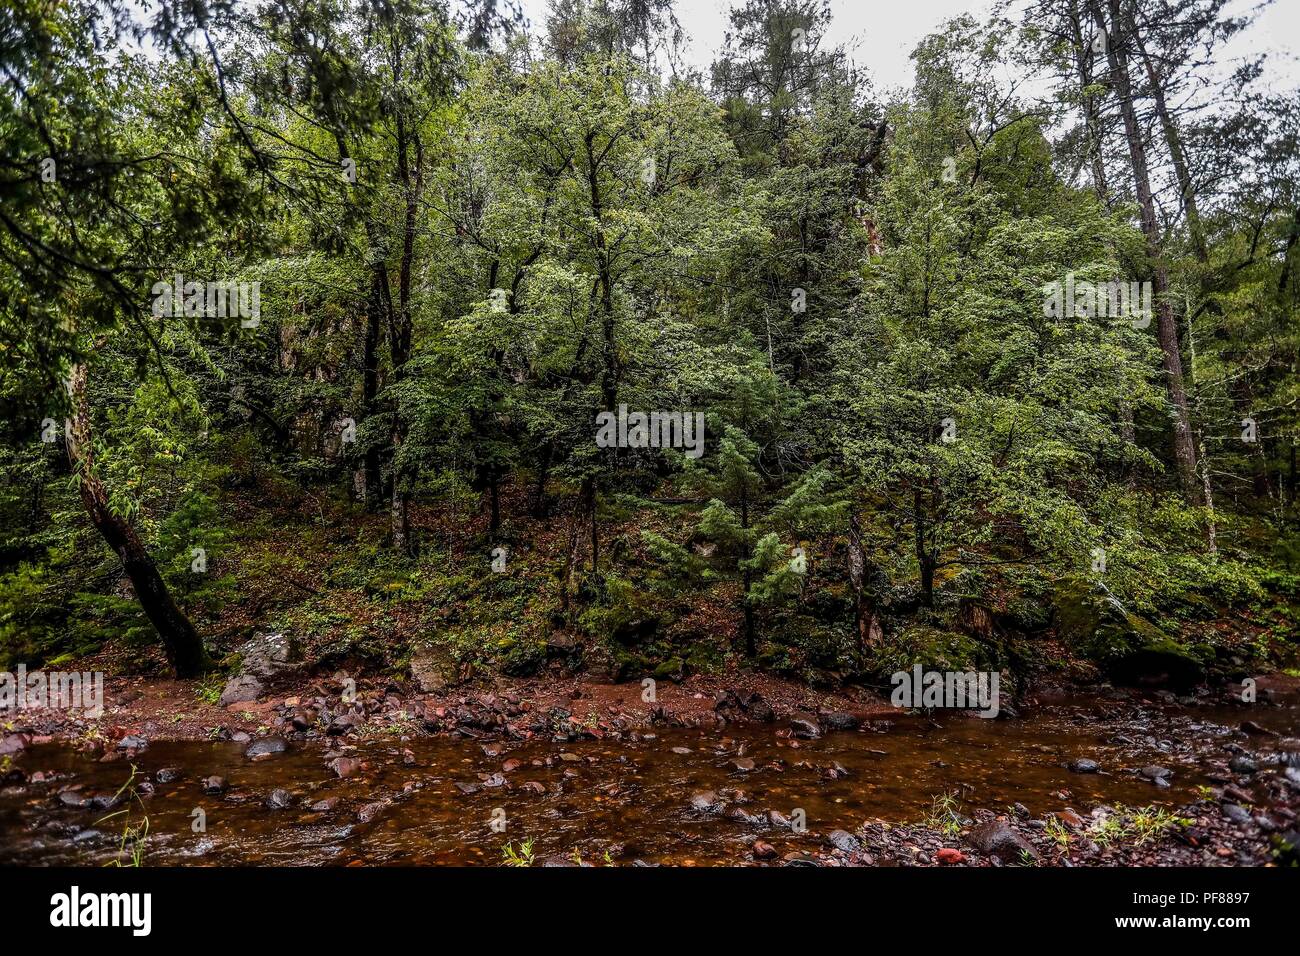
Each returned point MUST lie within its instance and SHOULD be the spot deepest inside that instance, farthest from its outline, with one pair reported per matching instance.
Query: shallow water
(630, 799)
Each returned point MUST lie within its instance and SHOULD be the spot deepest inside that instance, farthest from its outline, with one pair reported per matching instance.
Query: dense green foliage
(466, 251)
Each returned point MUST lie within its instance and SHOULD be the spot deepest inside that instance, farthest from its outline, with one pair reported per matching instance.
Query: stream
(666, 795)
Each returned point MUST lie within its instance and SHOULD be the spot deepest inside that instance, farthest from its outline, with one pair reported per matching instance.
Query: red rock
(950, 857)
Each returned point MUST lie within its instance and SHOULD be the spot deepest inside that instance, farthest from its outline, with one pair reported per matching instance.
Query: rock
(168, 775)
(950, 857)
(707, 802)
(433, 668)
(324, 806)
(1255, 730)
(344, 766)
(301, 720)
(279, 800)
(1242, 764)
(997, 838)
(742, 765)
(1084, 765)
(761, 711)
(241, 689)
(1237, 814)
(1070, 819)
(13, 743)
(742, 816)
(372, 810)
(265, 656)
(215, 785)
(340, 725)
(1155, 773)
(798, 858)
(838, 720)
(673, 669)
(843, 840)
(132, 742)
(763, 851)
(1129, 648)
(805, 729)
(70, 798)
(266, 747)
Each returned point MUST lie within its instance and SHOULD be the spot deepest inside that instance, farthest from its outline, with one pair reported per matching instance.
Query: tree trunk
(1091, 115)
(746, 577)
(1179, 158)
(367, 481)
(1166, 326)
(181, 641)
(924, 558)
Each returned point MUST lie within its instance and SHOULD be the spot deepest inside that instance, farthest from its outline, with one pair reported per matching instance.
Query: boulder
(433, 668)
(1129, 648)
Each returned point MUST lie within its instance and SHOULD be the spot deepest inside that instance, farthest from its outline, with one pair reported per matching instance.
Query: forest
(382, 369)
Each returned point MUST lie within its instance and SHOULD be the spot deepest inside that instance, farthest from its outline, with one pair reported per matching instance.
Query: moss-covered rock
(1128, 648)
(933, 647)
(672, 669)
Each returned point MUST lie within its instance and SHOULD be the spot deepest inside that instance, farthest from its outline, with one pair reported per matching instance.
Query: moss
(934, 647)
(1129, 648)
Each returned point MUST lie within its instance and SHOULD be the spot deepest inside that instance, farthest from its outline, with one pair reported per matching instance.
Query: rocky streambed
(1112, 779)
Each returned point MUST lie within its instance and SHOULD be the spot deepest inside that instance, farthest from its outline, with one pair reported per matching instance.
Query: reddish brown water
(631, 800)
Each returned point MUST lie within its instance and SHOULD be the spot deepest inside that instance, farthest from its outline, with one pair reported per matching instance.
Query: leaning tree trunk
(1166, 325)
(183, 645)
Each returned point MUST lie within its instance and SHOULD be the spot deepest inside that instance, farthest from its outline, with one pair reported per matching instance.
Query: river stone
(215, 784)
(372, 810)
(265, 747)
(707, 801)
(278, 799)
(1237, 814)
(1242, 764)
(168, 775)
(12, 743)
(805, 729)
(1084, 765)
(838, 720)
(344, 766)
(241, 689)
(997, 838)
(1154, 773)
(843, 840)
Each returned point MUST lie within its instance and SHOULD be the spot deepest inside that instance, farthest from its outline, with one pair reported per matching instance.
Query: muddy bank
(732, 777)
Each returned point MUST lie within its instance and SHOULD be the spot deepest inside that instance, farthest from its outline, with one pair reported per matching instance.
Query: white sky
(880, 34)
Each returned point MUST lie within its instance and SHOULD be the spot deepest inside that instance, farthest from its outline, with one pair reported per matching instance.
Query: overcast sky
(880, 34)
